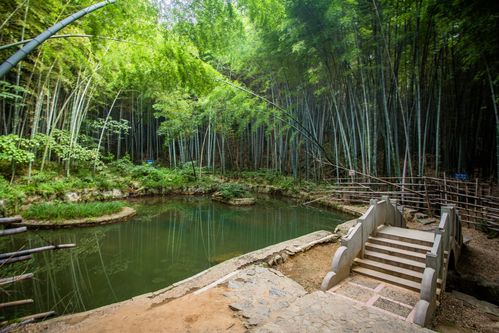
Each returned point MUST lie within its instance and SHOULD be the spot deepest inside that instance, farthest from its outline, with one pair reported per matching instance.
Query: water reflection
(169, 240)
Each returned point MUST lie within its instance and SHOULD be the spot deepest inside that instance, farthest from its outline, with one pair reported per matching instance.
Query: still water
(168, 240)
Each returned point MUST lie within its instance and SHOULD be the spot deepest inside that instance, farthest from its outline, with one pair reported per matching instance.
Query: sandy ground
(310, 267)
(206, 312)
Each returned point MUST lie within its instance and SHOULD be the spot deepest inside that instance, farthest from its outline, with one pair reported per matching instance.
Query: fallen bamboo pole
(12, 231)
(16, 278)
(15, 259)
(16, 303)
(8, 220)
(35, 250)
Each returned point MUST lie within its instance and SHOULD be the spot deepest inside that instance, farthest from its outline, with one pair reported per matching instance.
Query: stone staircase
(395, 255)
(380, 247)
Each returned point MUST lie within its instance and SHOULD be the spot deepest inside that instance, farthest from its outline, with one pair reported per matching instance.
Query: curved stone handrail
(448, 238)
(352, 244)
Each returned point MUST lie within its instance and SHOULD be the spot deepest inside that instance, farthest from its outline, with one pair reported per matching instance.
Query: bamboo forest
(249, 165)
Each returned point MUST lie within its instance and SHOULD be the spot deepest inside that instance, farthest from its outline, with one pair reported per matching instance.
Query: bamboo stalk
(35, 250)
(16, 278)
(15, 259)
(12, 231)
(13, 219)
(16, 303)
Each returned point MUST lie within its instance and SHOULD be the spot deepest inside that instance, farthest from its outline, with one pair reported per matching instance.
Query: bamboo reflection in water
(169, 240)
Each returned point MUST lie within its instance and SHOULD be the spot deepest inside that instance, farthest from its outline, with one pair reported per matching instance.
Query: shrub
(232, 191)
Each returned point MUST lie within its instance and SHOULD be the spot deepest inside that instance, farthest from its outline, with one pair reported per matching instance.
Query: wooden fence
(477, 202)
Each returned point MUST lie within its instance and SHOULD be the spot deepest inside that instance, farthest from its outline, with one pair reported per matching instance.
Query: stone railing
(446, 247)
(352, 244)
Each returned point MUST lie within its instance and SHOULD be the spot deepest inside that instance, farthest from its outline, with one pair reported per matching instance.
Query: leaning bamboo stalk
(35, 250)
(16, 303)
(16, 278)
(12, 231)
(9, 220)
(15, 259)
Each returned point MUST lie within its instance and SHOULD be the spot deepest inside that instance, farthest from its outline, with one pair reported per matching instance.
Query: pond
(168, 240)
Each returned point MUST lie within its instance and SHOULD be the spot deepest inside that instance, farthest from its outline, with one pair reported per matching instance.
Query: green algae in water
(168, 240)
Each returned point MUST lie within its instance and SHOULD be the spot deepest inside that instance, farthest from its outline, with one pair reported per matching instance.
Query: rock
(113, 194)
(278, 259)
(3, 207)
(236, 307)
(276, 292)
(270, 262)
(428, 220)
(234, 285)
(217, 196)
(344, 227)
(419, 216)
(285, 257)
(32, 199)
(71, 197)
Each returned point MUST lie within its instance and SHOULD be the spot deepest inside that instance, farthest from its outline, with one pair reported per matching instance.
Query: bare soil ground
(480, 256)
(310, 267)
(455, 315)
(207, 312)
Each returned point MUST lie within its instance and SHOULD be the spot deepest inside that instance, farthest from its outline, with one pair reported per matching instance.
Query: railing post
(451, 212)
(374, 202)
(388, 212)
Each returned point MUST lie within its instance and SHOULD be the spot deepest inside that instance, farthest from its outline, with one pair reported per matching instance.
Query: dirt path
(309, 268)
(207, 312)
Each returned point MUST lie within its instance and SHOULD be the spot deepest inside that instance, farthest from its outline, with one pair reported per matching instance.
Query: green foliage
(112, 126)
(158, 178)
(15, 149)
(11, 196)
(63, 144)
(68, 211)
(233, 191)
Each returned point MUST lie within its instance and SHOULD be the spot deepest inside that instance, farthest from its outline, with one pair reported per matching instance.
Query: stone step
(407, 235)
(416, 256)
(390, 269)
(400, 244)
(395, 261)
(398, 281)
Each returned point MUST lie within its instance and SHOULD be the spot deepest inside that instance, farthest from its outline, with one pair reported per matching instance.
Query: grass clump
(70, 211)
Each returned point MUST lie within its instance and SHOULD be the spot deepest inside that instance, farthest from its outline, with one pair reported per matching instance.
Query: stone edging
(124, 214)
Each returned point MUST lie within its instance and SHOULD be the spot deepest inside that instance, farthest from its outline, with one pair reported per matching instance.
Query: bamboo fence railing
(477, 202)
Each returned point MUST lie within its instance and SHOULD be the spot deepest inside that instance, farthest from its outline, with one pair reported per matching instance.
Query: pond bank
(316, 196)
(240, 295)
(123, 215)
(125, 315)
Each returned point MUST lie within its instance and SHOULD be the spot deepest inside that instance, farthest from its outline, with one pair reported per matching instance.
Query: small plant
(69, 211)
